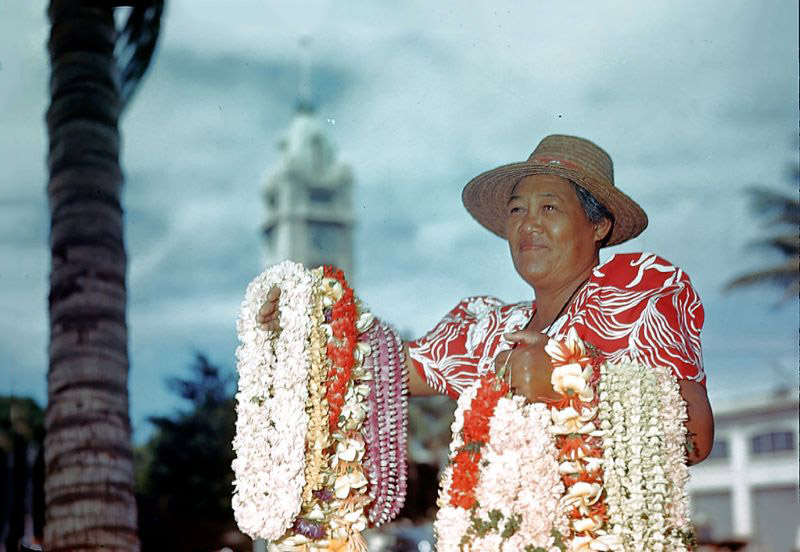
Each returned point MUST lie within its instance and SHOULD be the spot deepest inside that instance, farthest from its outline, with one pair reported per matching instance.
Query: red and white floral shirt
(635, 305)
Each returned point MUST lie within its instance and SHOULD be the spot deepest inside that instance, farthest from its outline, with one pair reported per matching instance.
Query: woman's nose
(530, 223)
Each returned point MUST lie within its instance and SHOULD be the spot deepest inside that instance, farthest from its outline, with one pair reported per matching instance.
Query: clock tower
(308, 198)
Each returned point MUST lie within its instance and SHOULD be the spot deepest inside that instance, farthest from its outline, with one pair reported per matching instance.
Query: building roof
(764, 403)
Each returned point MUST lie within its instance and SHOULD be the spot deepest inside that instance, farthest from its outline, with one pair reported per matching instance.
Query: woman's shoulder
(639, 271)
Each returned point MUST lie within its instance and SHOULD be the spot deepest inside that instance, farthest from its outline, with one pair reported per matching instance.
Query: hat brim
(486, 197)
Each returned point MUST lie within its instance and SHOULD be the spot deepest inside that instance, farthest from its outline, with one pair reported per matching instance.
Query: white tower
(308, 199)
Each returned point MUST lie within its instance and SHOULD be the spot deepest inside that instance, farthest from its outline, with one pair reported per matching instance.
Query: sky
(695, 102)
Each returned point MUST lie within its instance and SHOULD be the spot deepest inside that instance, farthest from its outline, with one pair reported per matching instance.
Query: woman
(557, 210)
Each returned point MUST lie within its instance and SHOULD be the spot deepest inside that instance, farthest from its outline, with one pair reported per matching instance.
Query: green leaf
(512, 526)
(558, 540)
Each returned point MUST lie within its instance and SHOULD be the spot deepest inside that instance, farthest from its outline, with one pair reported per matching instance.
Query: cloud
(694, 104)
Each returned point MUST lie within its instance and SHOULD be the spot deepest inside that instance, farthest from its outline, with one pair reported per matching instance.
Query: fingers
(526, 337)
(502, 359)
(267, 316)
(271, 303)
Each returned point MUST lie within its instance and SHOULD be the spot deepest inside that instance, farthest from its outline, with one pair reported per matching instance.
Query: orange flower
(476, 431)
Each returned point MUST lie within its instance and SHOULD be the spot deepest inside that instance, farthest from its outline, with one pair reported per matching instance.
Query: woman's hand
(268, 316)
(529, 365)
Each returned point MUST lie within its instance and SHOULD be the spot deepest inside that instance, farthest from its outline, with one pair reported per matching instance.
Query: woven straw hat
(573, 158)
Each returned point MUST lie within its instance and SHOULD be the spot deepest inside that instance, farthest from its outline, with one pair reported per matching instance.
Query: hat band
(557, 162)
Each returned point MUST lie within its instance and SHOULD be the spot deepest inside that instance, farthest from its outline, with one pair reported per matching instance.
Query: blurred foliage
(782, 214)
(183, 473)
(22, 416)
(22, 468)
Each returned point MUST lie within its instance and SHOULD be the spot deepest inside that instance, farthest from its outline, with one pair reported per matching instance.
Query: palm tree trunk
(89, 462)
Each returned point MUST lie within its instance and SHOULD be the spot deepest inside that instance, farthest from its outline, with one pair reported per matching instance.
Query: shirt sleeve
(644, 308)
(452, 355)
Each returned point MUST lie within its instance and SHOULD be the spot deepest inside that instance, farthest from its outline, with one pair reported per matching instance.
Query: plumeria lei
(301, 408)
(603, 469)
(576, 372)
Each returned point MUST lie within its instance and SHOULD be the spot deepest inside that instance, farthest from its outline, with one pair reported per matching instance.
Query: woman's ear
(601, 230)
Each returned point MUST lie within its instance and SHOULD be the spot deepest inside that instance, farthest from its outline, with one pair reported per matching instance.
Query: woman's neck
(551, 302)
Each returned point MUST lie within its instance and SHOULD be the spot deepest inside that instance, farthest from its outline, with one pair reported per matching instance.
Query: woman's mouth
(530, 244)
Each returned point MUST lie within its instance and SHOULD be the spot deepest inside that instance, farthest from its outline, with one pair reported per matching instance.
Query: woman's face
(551, 239)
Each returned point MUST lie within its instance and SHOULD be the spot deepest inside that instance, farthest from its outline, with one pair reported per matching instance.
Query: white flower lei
(642, 414)
(273, 372)
(673, 422)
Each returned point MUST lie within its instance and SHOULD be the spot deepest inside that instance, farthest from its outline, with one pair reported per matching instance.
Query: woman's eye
(549, 207)
(514, 210)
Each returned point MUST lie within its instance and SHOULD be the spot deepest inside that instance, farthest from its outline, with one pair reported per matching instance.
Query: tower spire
(304, 96)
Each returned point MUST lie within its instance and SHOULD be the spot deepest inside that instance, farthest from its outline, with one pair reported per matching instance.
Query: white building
(308, 198)
(747, 490)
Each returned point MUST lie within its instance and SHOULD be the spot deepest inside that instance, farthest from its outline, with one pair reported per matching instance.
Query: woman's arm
(700, 424)
(269, 319)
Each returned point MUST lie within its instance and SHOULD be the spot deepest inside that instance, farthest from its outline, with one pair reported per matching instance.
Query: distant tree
(94, 72)
(21, 470)
(184, 479)
(783, 211)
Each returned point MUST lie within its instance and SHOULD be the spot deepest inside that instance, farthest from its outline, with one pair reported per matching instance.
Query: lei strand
(343, 343)
(475, 436)
(634, 450)
(453, 523)
(642, 414)
(673, 419)
(576, 371)
(385, 432)
(655, 483)
(269, 446)
(318, 436)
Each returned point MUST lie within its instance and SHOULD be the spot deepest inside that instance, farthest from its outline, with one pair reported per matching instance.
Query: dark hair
(595, 211)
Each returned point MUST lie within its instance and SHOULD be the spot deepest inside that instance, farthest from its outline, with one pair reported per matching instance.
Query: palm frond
(136, 42)
(784, 275)
(786, 244)
(768, 202)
